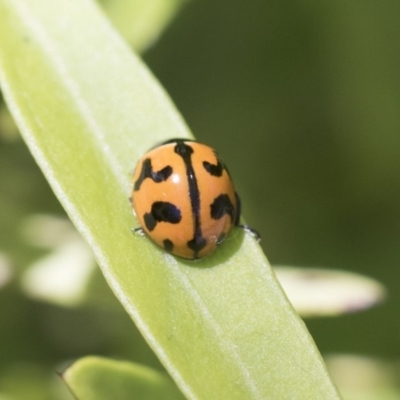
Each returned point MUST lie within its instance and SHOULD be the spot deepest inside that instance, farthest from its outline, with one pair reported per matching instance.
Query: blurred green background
(302, 99)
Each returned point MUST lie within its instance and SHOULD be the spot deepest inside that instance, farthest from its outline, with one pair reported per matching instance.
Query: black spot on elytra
(222, 205)
(197, 244)
(184, 150)
(214, 169)
(162, 211)
(168, 245)
(156, 176)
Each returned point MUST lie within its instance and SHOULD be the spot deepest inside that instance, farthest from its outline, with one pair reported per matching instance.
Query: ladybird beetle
(184, 198)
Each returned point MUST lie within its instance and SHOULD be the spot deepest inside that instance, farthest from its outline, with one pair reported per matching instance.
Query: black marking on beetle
(221, 206)
(238, 210)
(168, 245)
(162, 211)
(198, 242)
(156, 176)
(175, 140)
(214, 169)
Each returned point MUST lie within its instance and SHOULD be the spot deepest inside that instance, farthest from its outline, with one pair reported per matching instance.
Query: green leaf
(88, 108)
(141, 21)
(95, 378)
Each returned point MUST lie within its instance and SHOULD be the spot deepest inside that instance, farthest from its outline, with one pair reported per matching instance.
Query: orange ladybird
(184, 198)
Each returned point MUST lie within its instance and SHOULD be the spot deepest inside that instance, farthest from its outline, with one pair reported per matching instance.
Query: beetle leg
(247, 228)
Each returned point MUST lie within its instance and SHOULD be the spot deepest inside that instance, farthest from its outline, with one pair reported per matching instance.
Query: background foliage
(302, 99)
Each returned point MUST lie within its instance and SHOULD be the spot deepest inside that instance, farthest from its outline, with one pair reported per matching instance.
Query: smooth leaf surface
(96, 378)
(88, 108)
(141, 21)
